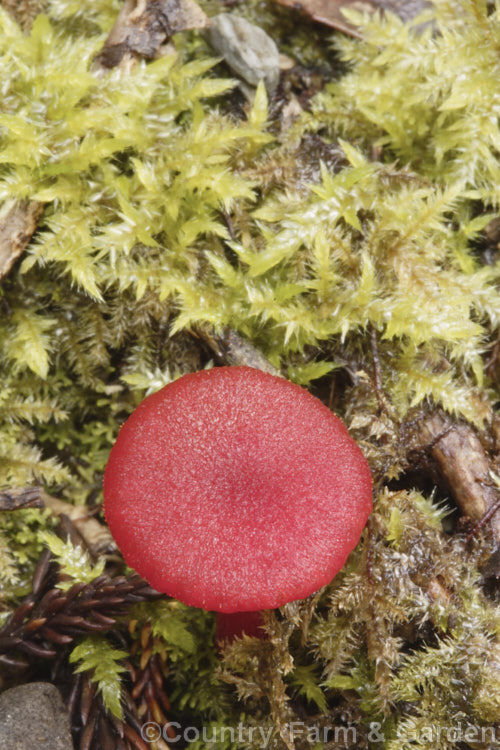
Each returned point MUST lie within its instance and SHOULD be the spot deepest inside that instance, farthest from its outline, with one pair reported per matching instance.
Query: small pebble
(246, 48)
(34, 717)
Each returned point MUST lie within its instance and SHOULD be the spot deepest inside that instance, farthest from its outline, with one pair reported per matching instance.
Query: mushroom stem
(235, 624)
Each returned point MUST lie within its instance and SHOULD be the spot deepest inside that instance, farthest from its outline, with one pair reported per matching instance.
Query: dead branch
(20, 497)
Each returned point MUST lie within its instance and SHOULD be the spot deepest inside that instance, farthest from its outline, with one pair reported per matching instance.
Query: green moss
(95, 655)
(21, 543)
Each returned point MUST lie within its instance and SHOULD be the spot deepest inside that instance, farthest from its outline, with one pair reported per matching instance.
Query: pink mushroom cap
(234, 490)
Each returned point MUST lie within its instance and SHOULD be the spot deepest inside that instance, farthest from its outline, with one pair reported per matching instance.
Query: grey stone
(34, 717)
(246, 48)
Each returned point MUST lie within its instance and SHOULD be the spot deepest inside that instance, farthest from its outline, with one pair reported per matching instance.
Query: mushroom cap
(233, 490)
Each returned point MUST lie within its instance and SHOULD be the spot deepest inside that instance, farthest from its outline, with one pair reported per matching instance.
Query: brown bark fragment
(143, 26)
(464, 466)
(18, 221)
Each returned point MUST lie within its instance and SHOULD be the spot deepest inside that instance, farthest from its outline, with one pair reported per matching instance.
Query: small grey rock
(34, 717)
(246, 48)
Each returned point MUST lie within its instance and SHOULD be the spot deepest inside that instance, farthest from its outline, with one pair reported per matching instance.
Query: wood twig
(20, 497)
(487, 516)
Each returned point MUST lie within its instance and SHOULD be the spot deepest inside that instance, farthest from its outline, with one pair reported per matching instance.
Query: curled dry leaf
(329, 12)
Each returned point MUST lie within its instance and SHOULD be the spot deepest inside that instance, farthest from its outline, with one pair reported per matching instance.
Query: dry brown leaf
(143, 27)
(329, 12)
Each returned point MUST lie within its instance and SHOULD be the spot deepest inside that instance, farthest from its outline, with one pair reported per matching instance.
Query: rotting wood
(143, 26)
(464, 466)
(18, 222)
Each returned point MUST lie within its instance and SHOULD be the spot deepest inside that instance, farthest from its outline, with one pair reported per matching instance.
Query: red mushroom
(234, 490)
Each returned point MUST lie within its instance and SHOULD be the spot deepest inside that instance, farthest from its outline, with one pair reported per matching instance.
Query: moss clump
(374, 284)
